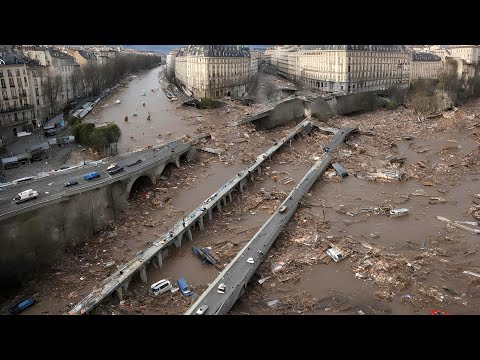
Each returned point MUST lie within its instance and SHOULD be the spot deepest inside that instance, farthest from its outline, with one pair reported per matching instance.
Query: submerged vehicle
(184, 288)
(25, 304)
(160, 287)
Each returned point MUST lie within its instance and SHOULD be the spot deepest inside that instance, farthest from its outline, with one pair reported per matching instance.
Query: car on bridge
(91, 175)
(115, 169)
(71, 183)
(25, 196)
(135, 162)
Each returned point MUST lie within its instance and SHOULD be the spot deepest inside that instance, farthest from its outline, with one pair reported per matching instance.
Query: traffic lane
(239, 271)
(131, 158)
(77, 174)
(45, 189)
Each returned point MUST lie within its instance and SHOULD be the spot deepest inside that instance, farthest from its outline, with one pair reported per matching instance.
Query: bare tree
(51, 86)
(76, 79)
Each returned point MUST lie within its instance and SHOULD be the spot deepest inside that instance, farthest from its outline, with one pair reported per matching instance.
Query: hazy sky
(167, 48)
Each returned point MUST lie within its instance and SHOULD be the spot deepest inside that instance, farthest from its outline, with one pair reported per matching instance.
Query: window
(19, 81)
(18, 72)
(38, 101)
(4, 94)
(14, 92)
(36, 92)
(35, 82)
(9, 72)
(1, 72)
(3, 83)
(23, 71)
(25, 81)
(10, 81)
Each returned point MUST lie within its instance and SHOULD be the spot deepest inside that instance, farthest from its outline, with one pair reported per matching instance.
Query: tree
(76, 80)
(51, 86)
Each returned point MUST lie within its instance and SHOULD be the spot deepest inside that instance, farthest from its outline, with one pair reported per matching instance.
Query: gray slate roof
(423, 56)
(215, 51)
(396, 48)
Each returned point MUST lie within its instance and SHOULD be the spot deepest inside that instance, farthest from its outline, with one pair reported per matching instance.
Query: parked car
(25, 304)
(25, 196)
(184, 288)
(160, 287)
(115, 170)
(71, 183)
(91, 175)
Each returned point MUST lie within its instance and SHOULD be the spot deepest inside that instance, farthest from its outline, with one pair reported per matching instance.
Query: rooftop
(215, 51)
(423, 56)
(396, 48)
(10, 59)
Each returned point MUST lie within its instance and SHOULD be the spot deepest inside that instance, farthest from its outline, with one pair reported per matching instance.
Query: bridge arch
(152, 179)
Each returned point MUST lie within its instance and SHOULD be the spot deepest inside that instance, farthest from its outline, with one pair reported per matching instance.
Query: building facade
(469, 53)
(170, 63)
(254, 62)
(16, 109)
(348, 68)
(425, 66)
(55, 63)
(213, 71)
(82, 57)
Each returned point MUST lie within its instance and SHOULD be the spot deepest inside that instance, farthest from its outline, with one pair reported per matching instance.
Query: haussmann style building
(425, 66)
(16, 108)
(344, 68)
(213, 71)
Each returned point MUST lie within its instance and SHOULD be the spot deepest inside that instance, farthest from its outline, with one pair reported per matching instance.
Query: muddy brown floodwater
(392, 265)
(138, 132)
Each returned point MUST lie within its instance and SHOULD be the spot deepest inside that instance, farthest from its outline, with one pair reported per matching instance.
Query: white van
(25, 196)
(160, 287)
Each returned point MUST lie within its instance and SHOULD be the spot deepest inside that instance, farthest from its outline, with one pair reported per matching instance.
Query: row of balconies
(16, 108)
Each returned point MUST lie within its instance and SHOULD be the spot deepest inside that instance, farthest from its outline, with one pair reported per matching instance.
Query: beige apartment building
(425, 66)
(469, 53)
(254, 59)
(213, 71)
(170, 63)
(82, 57)
(16, 109)
(56, 63)
(353, 68)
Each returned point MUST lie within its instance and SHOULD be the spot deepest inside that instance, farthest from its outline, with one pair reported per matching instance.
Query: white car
(160, 287)
(201, 310)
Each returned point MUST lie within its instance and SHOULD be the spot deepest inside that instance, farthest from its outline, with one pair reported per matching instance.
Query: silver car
(160, 287)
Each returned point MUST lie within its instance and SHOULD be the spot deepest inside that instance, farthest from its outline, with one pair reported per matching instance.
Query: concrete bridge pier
(125, 284)
(219, 206)
(230, 197)
(189, 233)
(177, 161)
(143, 274)
(259, 169)
(200, 222)
(178, 240)
(224, 199)
(210, 215)
(119, 292)
(159, 259)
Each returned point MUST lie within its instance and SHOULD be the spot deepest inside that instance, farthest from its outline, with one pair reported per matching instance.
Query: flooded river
(138, 132)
